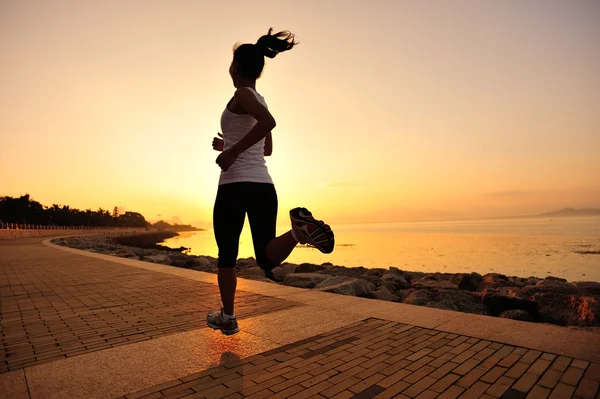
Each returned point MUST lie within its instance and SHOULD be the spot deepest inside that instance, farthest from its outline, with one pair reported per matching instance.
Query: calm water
(521, 247)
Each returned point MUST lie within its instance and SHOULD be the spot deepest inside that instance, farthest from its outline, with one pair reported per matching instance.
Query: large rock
(498, 301)
(495, 280)
(578, 310)
(383, 294)
(394, 279)
(588, 287)
(283, 270)
(180, 263)
(126, 253)
(346, 286)
(532, 281)
(469, 282)
(141, 252)
(202, 263)
(181, 260)
(421, 283)
(158, 258)
(550, 285)
(516, 314)
(251, 271)
(246, 263)
(309, 268)
(304, 280)
(461, 301)
(203, 268)
(354, 272)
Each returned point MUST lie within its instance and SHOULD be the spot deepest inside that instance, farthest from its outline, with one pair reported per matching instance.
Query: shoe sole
(295, 215)
(226, 332)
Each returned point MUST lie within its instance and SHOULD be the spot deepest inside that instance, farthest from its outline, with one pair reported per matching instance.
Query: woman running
(245, 186)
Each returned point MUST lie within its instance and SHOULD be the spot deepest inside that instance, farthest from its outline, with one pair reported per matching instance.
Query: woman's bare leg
(279, 248)
(227, 283)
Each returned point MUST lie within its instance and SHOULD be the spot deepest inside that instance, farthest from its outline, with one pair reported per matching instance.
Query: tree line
(25, 210)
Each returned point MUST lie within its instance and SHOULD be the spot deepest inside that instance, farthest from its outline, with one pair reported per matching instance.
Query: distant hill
(572, 212)
(162, 225)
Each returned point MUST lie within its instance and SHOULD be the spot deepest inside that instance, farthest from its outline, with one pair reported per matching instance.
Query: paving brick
(346, 374)
(530, 356)
(343, 395)
(464, 356)
(514, 394)
(393, 391)
(312, 391)
(417, 375)
(294, 381)
(466, 367)
(470, 378)
(587, 389)
(372, 370)
(427, 394)
(562, 391)
(443, 370)
(561, 363)
(550, 378)
(318, 378)
(517, 370)
(340, 386)
(580, 364)
(539, 366)
(451, 393)
(418, 387)
(492, 375)
(499, 388)
(419, 363)
(538, 392)
(348, 365)
(364, 384)
(443, 359)
(416, 356)
(572, 376)
(394, 368)
(370, 392)
(509, 360)
(442, 384)
(476, 390)
(484, 353)
(526, 382)
(593, 372)
(548, 356)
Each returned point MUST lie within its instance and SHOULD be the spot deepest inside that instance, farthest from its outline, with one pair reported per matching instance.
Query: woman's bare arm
(268, 144)
(264, 120)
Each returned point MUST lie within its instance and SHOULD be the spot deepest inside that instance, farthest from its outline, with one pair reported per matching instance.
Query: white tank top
(250, 165)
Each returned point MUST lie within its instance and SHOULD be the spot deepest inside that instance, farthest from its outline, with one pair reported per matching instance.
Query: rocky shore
(549, 300)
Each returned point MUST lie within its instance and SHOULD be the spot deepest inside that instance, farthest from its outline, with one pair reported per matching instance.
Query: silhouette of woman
(245, 186)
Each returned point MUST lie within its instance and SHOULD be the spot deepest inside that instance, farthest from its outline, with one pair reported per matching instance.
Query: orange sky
(388, 110)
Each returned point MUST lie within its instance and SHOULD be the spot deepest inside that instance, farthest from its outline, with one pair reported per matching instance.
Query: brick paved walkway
(55, 305)
(381, 359)
(72, 326)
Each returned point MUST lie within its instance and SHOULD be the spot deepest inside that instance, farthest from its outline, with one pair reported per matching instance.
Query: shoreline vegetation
(550, 300)
(25, 213)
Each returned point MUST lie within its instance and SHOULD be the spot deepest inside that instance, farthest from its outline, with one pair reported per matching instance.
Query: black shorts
(234, 201)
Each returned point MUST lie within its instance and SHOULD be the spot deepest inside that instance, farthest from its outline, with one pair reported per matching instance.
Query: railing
(25, 226)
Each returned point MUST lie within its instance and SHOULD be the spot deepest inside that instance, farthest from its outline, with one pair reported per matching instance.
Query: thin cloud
(507, 193)
(338, 185)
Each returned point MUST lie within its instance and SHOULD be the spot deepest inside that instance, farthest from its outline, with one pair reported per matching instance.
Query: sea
(566, 247)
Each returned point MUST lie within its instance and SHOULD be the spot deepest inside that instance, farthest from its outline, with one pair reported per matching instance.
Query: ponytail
(251, 57)
(270, 45)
